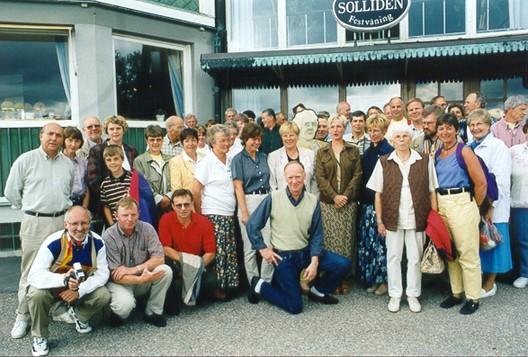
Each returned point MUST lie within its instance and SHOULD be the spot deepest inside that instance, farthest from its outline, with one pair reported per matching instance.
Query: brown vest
(392, 185)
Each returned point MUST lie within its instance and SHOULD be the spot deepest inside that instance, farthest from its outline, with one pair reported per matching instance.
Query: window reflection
(256, 99)
(253, 25)
(361, 97)
(316, 98)
(310, 21)
(435, 17)
(502, 15)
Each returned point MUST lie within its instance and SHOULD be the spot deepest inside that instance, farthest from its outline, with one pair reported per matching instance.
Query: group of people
(296, 207)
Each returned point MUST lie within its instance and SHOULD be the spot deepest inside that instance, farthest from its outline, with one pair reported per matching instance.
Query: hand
(310, 273)
(150, 277)
(340, 201)
(69, 296)
(382, 231)
(73, 284)
(164, 203)
(121, 271)
(245, 217)
(270, 256)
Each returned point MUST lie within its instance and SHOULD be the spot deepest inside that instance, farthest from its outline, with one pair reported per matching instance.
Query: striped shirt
(114, 189)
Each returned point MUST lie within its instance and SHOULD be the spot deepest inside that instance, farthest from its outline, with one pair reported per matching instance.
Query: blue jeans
(519, 239)
(285, 290)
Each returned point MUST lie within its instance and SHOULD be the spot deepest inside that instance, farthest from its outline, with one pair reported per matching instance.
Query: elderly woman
(182, 167)
(153, 165)
(404, 182)
(214, 197)
(458, 205)
(519, 209)
(251, 173)
(497, 158)
(372, 260)
(458, 111)
(289, 133)
(73, 141)
(338, 174)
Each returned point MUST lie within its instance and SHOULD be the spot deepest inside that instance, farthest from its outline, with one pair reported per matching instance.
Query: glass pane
(455, 16)
(482, 15)
(364, 96)
(452, 91)
(426, 91)
(310, 21)
(493, 105)
(256, 99)
(434, 17)
(331, 26)
(416, 19)
(34, 77)
(492, 88)
(515, 87)
(149, 80)
(392, 33)
(499, 14)
(316, 98)
(253, 25)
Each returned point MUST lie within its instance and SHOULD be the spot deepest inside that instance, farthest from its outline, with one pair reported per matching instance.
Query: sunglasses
(182, 205)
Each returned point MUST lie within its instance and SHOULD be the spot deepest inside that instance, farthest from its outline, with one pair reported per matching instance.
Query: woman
(372, 259)
(73, 141)
(519, 209)
(404, 182)
(214, 197)
(251, 173)
(459, 208)
(338, 174)
(458, 111)
(202, 148)
(497, 158)
(182, 167)
(277, 159)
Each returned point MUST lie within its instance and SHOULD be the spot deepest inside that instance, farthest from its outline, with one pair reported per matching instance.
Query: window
(34, 75)
(363, 96)
(393, 33)
(309, 22)
(495, 15)
(253, 25)
(149, 80)
(497, 91)
(256, 99)
(436, 17)
(452, 91)
(316, 98)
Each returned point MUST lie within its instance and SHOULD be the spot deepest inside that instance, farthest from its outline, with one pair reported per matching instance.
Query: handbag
(432, 263)
(489, 235)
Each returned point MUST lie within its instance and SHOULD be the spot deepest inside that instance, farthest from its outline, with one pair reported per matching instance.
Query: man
(428, 143)
(191, 121)
(171, 142)
(52, 277)
(40, 184)
(93, 134)
(358, 136)
(271, 140)
(474, 101)
(509, 128)
(322, 127)
(189, 245)
(343, 108)
(387, 111)
(136, 261)
(398, 115)
(441, 101)
(229, 114)
(296, 243)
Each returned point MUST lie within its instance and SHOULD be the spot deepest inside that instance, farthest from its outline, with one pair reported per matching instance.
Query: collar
(120, 178)
(476, 143)
(122, 233)
(75, 242)
(412, 158)
(504, 123)
(193, 219)
(167, 141)
(292, 200)
(46, 156)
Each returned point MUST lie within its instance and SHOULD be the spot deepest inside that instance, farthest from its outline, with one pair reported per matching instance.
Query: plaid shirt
(171, 149)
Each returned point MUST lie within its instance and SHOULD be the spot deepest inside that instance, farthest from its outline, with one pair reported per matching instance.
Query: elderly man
(229, 114)
(428, 143)
(190, 121)
(190, 247)
(439, 100)
(136, 261)
(40, 184)
(171, 142)
(474, 101)
(296, 244)
(343, 108)
(53, 276)
(509, 128)
(93, 133)
(271, 140)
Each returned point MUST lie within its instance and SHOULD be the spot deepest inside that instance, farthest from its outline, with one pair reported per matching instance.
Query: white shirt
(406, 217)
(218, 194)
(235, 149)
(497, 158)
(519, 176)
(278, 159)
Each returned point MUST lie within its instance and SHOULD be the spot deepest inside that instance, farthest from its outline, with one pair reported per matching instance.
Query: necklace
(449, 148)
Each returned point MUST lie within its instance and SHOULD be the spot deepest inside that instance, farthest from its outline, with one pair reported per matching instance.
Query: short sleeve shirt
(113, 189)
(254, 174)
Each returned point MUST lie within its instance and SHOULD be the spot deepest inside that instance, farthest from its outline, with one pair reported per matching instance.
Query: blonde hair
(117, 120)
(289, 128)
(341, 119)
(379, 121)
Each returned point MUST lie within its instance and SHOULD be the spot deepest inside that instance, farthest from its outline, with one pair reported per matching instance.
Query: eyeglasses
(182, 205)
(95, 126)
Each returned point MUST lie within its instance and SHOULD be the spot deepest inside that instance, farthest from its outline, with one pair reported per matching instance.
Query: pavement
(359, 325)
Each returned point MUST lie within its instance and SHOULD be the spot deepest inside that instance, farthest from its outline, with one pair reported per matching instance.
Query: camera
(78, 273)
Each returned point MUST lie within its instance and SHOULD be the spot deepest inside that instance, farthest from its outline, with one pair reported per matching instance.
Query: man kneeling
(70, 266)
(297, 243)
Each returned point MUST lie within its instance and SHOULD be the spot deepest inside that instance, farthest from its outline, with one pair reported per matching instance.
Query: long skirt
(372, 253)
(339, 225)
(498, 259)
(226, 264)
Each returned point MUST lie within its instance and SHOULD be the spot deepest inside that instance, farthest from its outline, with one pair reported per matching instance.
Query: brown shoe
(372, 289)
(345, 287)
(381, 290)
(338, 291)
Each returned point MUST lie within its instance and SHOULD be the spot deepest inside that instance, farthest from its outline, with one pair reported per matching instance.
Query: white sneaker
(39, 346)
(414, 304)
(80, 326)
(20, 328)
(64, 317)
(521, 282)
(485, 294)
(394, 304)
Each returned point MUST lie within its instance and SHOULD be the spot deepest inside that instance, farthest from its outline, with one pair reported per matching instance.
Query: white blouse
(519, 176)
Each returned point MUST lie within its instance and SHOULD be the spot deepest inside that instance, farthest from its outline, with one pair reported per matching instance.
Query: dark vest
(392, 186)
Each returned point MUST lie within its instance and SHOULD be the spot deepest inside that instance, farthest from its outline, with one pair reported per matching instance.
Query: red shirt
(197, 238)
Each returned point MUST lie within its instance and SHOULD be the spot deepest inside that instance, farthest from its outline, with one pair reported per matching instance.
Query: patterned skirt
(339, 225)
(226, 264)
(372, 253)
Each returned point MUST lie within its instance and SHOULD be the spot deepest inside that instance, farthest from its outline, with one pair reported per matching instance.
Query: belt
(452, 191)
(258, 192)
(39, 214)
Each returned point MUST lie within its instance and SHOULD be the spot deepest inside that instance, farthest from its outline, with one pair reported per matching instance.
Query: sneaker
(381, 290)
(414, 304)
(450, 302)
(490, 293)
(156, 320)
(39, 346)
(80, 326)
(394, 304)
(469, 307)
(521, 282)
(20, 328)
(64, 317)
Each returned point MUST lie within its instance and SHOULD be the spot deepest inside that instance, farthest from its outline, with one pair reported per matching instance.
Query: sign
(369, 15)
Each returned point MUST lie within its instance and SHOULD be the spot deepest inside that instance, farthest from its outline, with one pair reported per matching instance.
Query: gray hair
(232, 125)
(217, 128)
(479, 114)
(480, 98)
(69, 211)
(514, 101)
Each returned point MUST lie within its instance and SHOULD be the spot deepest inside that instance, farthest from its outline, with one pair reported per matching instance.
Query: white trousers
(414, 242)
